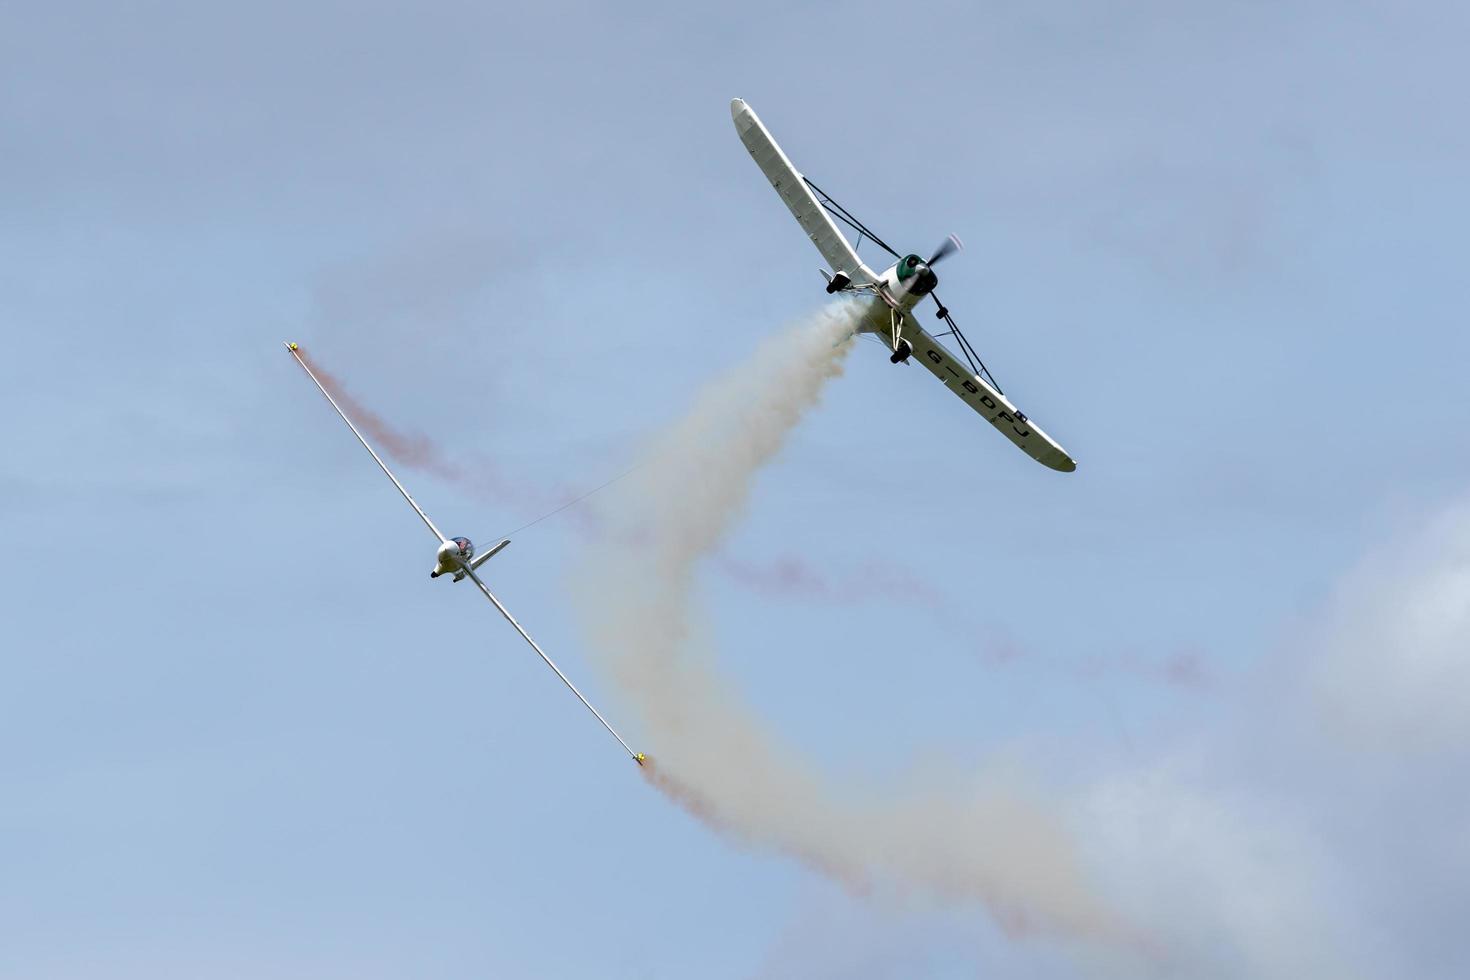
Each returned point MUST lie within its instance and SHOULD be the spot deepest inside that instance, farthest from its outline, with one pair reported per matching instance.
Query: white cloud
(1390, 664)
(1224, 882)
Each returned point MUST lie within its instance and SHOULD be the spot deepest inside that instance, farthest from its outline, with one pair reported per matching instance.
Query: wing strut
(845, 216)
(976, 365)
(301, 359)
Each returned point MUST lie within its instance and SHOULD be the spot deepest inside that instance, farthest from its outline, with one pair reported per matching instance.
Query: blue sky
(1215, 250)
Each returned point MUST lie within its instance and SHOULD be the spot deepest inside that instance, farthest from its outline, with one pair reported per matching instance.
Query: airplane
(457, 556)
(893, 295)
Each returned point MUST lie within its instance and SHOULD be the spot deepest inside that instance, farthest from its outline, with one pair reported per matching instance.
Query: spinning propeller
(950, 244)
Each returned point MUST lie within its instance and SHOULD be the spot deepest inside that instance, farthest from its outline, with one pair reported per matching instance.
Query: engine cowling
(915, 276)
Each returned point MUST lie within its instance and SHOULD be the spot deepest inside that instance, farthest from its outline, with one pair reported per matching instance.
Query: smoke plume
(947, 837)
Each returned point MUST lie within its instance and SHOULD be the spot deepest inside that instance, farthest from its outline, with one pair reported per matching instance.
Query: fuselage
(452, 556)
(906, 282)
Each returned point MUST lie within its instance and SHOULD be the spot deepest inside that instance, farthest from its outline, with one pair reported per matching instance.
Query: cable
(576, 500)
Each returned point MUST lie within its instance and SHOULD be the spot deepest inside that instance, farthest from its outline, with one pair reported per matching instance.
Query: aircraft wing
(637, 757)
(980, 395)
(809, 213)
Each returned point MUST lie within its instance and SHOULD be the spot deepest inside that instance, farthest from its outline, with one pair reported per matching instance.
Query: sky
(1215, 250)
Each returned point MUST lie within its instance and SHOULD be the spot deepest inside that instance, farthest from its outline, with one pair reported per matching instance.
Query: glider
(893, 294)
(456, 556)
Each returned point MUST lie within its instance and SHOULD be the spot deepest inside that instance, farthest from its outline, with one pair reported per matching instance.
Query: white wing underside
(787, 181)
(980, 395)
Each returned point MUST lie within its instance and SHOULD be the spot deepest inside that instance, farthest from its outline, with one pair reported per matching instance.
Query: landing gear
(943, 312)
(901, 348)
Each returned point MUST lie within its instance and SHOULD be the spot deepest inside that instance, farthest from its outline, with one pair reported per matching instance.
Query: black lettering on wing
(1003, 414)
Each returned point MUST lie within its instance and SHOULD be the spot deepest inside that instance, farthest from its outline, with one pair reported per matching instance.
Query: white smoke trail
(713, 753)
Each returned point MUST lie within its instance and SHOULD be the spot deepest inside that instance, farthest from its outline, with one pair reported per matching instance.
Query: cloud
(1390, 667)
(1226, 881)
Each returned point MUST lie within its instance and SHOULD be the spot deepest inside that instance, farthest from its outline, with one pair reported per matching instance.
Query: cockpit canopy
(466, 546)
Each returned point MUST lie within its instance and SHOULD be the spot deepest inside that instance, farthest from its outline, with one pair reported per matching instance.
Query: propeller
(950, 244)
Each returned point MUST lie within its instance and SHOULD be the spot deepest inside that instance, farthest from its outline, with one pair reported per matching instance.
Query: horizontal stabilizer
(479, 560)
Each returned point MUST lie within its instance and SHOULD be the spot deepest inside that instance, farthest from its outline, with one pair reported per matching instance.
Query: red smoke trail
(692, 803)
(1184, 669)
(413, 450)
(1013, 920)
(421, 453)
(792, 577)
